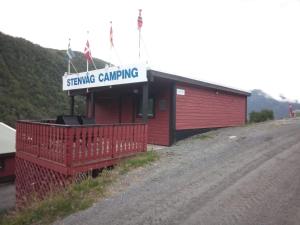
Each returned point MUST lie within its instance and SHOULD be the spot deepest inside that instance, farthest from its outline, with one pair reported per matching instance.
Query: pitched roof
(7, 139)
(197, 82)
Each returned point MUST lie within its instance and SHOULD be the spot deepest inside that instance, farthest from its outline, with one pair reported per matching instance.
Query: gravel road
(245, 175)
(7, 196)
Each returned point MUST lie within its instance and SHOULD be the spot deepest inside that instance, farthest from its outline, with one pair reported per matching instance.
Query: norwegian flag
(140, 20)
(87, 52)
(111, 36)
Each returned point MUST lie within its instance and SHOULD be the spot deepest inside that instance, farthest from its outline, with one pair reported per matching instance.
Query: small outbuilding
(7, 153)
(173, 106)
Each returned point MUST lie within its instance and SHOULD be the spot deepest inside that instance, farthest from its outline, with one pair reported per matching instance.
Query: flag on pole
(140, 20)
(111, 36)
(87, 51)
(70, 53)
(140, 24)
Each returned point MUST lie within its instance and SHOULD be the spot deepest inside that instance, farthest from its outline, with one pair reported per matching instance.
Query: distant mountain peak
(261, 93)
(260, 100)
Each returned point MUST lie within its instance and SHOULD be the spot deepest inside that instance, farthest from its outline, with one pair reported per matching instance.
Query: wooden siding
(158, 127)
(208, 108)
(107, 111)
(127, 109)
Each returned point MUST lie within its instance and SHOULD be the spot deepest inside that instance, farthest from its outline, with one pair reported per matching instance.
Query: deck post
(145, 102)
(93, 104)
(72, 105)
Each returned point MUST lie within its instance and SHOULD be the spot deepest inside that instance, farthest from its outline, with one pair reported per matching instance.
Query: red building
(177, 106)
(7, 153)
(126, 108)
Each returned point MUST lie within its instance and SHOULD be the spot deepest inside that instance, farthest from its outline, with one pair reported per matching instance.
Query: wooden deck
(49, 155)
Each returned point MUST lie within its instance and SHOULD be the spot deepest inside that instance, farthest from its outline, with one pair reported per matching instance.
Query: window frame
(139, 108)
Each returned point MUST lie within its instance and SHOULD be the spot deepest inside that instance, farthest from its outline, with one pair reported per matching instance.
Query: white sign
(180, 91)
(105, 77)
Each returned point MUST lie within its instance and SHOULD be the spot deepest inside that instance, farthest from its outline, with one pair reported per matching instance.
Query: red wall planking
(127, 109)
(198, 108)
(208, 108)
(158, 127)
(107, 111)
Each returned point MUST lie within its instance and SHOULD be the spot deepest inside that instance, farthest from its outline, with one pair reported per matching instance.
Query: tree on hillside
(31, 80)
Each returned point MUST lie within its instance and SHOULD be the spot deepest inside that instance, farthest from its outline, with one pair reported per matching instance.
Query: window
(1, 164)
(151, 107)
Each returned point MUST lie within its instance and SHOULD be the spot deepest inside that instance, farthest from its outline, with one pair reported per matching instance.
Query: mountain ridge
(260, 100)
(31, 80)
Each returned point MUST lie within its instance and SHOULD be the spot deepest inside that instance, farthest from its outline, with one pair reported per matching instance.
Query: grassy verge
(203, 136)
(76, 197)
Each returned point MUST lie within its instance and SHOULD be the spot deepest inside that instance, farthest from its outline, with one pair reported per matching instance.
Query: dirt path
(248, 175)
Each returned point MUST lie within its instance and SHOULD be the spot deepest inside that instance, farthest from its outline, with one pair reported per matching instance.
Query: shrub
(263, 115)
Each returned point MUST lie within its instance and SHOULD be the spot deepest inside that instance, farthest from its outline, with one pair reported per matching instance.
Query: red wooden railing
(71, 149)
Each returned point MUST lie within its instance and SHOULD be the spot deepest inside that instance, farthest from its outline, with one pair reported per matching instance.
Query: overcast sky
(240, 43)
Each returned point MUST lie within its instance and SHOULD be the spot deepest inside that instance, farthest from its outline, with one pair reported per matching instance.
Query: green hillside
(31, 80)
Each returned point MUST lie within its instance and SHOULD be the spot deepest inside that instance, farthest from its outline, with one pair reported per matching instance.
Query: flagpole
(92, 60)
(145, 49)
(140, 24)
(111, 57)
(87, 61)
(72, 99)
(69, 64)
(70, 55)
(69, 67)
(94, 63)
(140, 44)
(111, 44)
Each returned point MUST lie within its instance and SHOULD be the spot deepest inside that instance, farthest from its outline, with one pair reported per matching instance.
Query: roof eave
(155, 73)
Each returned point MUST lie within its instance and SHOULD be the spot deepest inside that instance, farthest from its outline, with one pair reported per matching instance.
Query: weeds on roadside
(78, 196)
(137, 161)
(202, 136)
